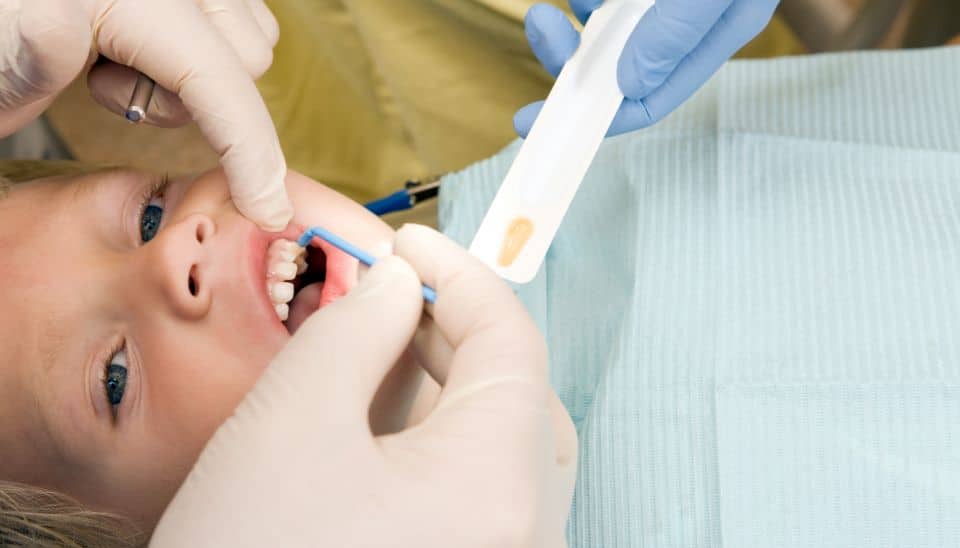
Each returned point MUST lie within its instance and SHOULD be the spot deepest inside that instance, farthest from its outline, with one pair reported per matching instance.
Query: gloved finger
(266, 21)
(551, 36)
(662, 39)
(432, 351)
(583, 8)
(631, 115)
(339, 356)
(111, 85)
(176, 45)
(524, 118)
(237, 24)
(40, 55)
(736, 27)
(491, 333)
(44, 48)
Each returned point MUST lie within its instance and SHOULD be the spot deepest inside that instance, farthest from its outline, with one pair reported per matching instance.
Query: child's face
(185, 316)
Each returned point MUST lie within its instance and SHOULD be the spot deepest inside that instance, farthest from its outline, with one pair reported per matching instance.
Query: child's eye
(150, 219)
(151, 209)
(115, 377)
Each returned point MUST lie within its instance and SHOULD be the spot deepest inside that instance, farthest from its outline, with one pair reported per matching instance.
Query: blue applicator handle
(398, 201)
(429, 294)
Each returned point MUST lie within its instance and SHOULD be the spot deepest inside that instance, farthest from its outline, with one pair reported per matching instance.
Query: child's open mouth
(300, 281)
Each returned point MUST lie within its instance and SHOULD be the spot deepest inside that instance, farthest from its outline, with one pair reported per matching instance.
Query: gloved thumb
(337, 359)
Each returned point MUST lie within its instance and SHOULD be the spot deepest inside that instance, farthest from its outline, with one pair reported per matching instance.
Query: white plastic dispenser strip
(543, 179)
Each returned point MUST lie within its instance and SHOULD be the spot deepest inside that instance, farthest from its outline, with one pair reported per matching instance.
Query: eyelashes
(150, 215)
(113, 377)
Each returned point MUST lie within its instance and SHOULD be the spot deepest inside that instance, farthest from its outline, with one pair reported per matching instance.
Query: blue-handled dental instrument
(367, 259)
(398, 201)
(413, 193)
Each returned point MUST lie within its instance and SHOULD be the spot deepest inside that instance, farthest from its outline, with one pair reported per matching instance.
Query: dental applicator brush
(367, 259)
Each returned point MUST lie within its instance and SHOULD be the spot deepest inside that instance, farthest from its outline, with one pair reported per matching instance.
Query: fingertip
(257, 181)
(391, 258)
(272, 225)
(631, 116)
(392, 273)
(411, 238)
(258, 59)
(520, 126)
(551, 36)
(637, 75)
(525, 117)
(272, 208)
(266, 20)
(428, 251)
(530, 27)
(632, 84)
(272, 217)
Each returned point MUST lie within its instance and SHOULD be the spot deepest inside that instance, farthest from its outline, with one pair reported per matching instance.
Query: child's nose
(180, 262)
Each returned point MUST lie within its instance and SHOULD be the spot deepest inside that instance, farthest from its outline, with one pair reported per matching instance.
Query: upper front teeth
(285, 260)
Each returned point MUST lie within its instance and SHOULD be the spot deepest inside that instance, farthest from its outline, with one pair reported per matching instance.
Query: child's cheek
(317, 205)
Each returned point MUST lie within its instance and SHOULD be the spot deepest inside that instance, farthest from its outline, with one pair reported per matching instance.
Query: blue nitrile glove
(676, 47)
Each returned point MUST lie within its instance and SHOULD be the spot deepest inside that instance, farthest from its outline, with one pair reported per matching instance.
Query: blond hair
(33, 516)
(21, 171)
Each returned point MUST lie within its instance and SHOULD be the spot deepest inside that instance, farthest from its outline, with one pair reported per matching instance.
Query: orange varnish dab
(518, 233)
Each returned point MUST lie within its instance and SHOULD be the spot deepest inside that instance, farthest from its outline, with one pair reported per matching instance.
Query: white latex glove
(493, 464)
(204, 53)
